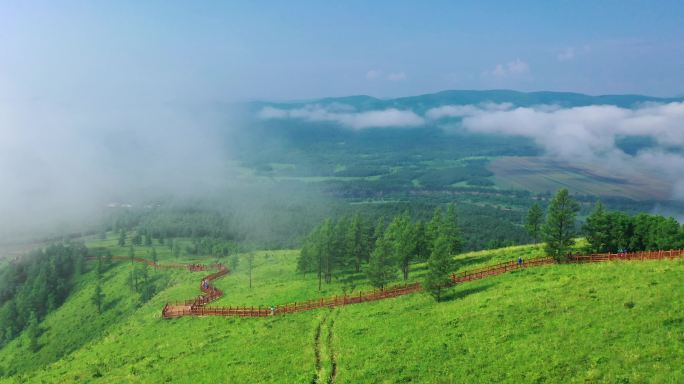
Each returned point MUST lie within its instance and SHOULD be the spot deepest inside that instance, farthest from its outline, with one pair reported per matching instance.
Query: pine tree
(450, 229)
(378, 231)
(122, 238)
(341, 252)
(33, 332)
(534, 221)
(434, 228)
(133, 276)
(234, 262)
(326, 250)
(620, 231)
(400, 234)
(306, 261)
(422, 246)
(136, 239)
(597, 229)
(559, 229)
(98, 297)
(381, 269)
(439, 266)
(108, 258)
(359, 242)
(99, 267)
(154, 256)
(641, 232)
(250, 265)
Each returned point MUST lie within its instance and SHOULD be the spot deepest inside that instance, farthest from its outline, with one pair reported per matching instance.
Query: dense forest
(614, 231)
(35, 285)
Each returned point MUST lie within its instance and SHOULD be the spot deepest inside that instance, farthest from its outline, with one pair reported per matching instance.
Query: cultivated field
(542, 175)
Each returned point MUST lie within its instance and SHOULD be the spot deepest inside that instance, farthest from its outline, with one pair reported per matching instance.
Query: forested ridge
(35, 285)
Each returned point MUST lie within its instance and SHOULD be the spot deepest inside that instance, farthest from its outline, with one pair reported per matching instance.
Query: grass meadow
(611, 322)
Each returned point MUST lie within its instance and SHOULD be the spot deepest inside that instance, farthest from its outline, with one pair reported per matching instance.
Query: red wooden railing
(185, 309)
(198, 306)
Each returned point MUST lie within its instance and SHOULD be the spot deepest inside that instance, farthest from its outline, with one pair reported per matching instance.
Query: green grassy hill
(609, 322)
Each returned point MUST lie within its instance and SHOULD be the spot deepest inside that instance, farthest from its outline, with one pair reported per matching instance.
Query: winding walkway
(198, 305)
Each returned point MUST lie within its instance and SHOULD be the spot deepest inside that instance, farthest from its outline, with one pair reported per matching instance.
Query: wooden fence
(197, 307)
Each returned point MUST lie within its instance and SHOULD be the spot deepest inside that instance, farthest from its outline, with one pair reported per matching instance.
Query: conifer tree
(450, 229)
(402, 237)
(234, 262)
(559, 229)
(122, 238)
(621, 231)
(381, 268)
(422, 246)
(133, 276)
(597, 229)
(33, 332)
(98, 297)
(325, 250)
(250, 265)
(108, 258)
(534, 221)
(439, 266)
(434, 228)
(378, 233)
(359, 242)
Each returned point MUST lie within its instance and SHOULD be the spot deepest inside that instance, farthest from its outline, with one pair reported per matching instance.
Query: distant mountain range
(421, 103)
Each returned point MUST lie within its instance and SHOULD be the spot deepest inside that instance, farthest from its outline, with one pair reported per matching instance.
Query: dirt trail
(324, 351)
(331, 352)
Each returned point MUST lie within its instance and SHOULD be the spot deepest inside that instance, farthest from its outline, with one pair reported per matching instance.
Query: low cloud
(446, 111)
(345, 116)
(373, 74)
(571, 53)
(62, 164)
(513, 68)
(566, 54)
(585, 134)
(398, 76)
(588, 134)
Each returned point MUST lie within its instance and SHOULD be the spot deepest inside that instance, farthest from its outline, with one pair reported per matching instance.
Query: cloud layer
(347, 116)
(588, 134)
(581, 134)
(61, 164)
(513, 68)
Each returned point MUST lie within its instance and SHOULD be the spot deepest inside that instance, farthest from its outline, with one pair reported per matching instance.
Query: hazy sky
(104, 100)
(197, 51)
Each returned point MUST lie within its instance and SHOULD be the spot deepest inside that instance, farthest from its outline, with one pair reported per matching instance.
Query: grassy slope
(558, 324)
(551, 324)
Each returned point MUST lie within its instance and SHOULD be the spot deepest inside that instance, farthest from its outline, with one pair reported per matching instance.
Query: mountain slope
(616, 321)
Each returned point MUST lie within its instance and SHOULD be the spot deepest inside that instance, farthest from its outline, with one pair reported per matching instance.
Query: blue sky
(205, 51)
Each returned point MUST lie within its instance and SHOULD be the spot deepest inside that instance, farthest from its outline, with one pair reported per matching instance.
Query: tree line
(605, 231)
(612, 231)
(380, 250)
